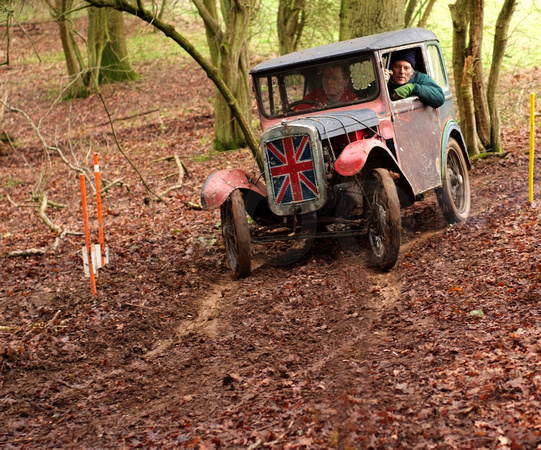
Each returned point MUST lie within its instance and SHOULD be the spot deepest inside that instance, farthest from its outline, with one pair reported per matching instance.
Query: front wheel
(384, 222)
(236, 234)
(454, 195)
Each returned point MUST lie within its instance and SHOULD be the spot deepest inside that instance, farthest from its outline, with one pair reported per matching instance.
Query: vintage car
(341, 169)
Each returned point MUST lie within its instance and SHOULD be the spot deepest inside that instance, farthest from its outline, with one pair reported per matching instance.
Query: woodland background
(441, 352)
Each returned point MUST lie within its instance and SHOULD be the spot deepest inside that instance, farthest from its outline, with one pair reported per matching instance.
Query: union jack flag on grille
(292, 170)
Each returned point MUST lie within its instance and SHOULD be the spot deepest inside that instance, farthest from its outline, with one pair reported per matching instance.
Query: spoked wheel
(384, 222)
(236, 235)
(454, 195)
(278, 246)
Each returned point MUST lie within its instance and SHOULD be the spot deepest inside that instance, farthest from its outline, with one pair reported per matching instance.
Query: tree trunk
(365, 17)
(115, 64)
(108, 55)
(290, 23)
(228, 53)
(463, 71)
(74, 63)
(426, 13)
(479, 87)
(498, 53)
(416, 9)
(409, 18)
(466, 92)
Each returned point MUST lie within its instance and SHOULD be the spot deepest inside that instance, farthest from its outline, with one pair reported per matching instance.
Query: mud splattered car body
(346, 168)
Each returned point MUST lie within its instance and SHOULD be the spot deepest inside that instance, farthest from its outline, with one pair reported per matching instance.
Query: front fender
(220, 185)
(354, 156)
(374, 153)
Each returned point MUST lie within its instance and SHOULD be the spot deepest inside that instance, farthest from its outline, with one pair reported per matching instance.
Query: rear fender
(220, 185)
(452, 130)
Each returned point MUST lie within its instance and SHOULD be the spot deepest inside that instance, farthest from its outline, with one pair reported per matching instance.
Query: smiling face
(402, 72)
(334, 83)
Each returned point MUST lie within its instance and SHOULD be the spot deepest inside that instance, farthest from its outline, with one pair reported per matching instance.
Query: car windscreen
(316, 87)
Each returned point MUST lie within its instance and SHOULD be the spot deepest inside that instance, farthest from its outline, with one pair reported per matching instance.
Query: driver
(334, 90)
(403, 81)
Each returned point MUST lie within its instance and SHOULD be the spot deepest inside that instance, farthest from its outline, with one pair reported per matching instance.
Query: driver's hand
(387, 73)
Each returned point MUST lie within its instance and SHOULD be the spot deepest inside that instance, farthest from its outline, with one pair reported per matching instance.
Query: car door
(417, 130)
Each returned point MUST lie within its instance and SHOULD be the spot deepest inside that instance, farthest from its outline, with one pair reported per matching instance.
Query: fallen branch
(181, 173)
(115, 183)
(43, 250)
(192, 205)
(18, 205)
(53, 319)
(50, 202)
(44, 217)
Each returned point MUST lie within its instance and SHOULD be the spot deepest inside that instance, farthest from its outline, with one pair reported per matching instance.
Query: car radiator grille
(292, 169)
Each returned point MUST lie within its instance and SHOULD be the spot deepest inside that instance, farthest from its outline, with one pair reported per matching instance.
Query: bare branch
(43, 250)
(44, 217)
(134, 167)
(181, 173)
(193, 205)
(115, 183)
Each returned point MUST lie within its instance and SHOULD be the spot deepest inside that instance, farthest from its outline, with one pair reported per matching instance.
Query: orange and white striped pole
(101, 239)
(87, 234)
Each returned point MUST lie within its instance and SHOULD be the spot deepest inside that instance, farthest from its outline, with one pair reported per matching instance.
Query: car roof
(341, 49)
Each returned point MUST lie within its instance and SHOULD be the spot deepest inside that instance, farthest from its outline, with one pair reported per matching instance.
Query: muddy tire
(454, 195)
(236, 235)
(384, 222)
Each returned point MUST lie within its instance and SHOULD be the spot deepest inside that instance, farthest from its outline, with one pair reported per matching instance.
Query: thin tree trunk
(227, 47)
(460, 17)
(498, 53)
(426, 14)
(72, 55)
(409, 17)
(482, 114)
(466, 91)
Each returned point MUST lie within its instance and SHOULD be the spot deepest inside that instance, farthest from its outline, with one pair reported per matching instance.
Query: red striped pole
(101, 239)
(87, 234)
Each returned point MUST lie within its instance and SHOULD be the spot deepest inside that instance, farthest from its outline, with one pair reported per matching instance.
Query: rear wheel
(454, 195)
(236, 235)
(384, 222)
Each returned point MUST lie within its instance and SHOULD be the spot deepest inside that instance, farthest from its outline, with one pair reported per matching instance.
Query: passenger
(334, 82)
(403, 81)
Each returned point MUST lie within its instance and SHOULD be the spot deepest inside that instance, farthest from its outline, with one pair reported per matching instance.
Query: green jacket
(425, 88)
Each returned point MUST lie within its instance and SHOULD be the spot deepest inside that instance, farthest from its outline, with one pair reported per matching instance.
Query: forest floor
(443, 351)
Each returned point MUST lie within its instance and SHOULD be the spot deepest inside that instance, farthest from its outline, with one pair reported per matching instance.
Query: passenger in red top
(334, 89)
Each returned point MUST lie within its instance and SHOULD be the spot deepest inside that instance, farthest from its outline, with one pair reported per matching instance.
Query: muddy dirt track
(441, 352)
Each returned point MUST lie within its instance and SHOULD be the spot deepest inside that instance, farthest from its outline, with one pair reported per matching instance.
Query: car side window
(437, 67)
